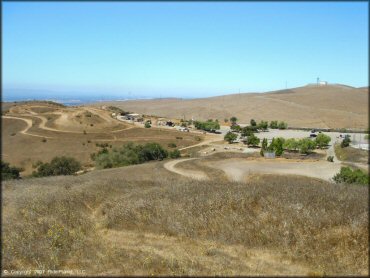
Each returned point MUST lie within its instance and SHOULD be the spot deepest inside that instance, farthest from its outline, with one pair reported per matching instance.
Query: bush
(236, 128)
(306, 145)
(172, 145)
(347, 175)
(253, 122)
(175, 154)
(322, 140)
(248, 130)
(291, 144)
(263, 147)
(330, 158)
(233, 120)
(197, 138)
(230, 137)
(282, 125)
(252, 140)
(58, 166)
(263, 125)
(274, 124)
(9, 172)
(129, 154)
(207, 126)
(180, 138)
(147, 124)
(345, 142)
(43, 140)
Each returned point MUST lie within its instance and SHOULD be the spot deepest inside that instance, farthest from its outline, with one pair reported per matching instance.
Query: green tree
(253, 122)
(263, 146)
(322, 140)
(233, 120)
(147, 125)
(291, 144)
(252, 140)
(347, 175)
(278, 147)
(345, 142)
(274, 124)
(236, 128)
(207, 126)
(230, 137)
(263, 125)
(306, 145)
(282, 125)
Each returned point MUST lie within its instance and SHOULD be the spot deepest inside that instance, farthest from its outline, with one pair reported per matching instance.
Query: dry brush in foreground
(174, 226)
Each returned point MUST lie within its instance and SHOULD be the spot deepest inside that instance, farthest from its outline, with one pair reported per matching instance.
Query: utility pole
(286, 84)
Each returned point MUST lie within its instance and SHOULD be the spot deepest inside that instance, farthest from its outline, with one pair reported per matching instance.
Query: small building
(323, 83)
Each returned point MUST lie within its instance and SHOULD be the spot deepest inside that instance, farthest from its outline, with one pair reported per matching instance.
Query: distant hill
(330, 106)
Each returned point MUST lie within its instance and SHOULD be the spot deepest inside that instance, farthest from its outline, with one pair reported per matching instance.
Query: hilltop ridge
(328, 106)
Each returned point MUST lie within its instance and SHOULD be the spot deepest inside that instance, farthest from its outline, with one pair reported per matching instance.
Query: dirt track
(171, 166)
(239, 169)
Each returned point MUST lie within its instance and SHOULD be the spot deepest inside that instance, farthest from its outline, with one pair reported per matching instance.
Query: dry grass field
(39, 131)
(127, 221)
(350, 154)
(339, 107)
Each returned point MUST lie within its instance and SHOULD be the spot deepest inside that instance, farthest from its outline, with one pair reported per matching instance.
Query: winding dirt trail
(171, 166)
(29, 125)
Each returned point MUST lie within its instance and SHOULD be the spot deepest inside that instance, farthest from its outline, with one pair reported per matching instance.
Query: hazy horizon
(183, 50)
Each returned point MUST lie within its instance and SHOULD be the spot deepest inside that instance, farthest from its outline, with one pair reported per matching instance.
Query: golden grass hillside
(39, 131)
(127, 221)
(331, 106)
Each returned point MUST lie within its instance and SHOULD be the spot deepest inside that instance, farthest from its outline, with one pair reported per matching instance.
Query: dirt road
(239, 169)
(171, 166)
(29, 125)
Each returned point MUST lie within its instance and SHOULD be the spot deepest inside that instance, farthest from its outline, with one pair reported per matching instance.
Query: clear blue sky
(181, 48)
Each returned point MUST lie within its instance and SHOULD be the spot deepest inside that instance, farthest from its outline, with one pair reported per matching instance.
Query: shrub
(345, 142)
(85, 132)
(322, 140)
(9, 172)
(248, 130)
(282, 125)
(172, 145)
(263, 147)
(180, 138)
(291, 144)
(347, 175)
(43, 140)
(147, 124)
(263, 125)
(253, 122)
(175, 154)
(236, 128)
(129, 154)
(230, 137)
(306, 145)
(274, 124)
(13, 134)
(330, 158)
(233, 120)
(252, 140)
(58, 166)
(197, 138)
(207, 126)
